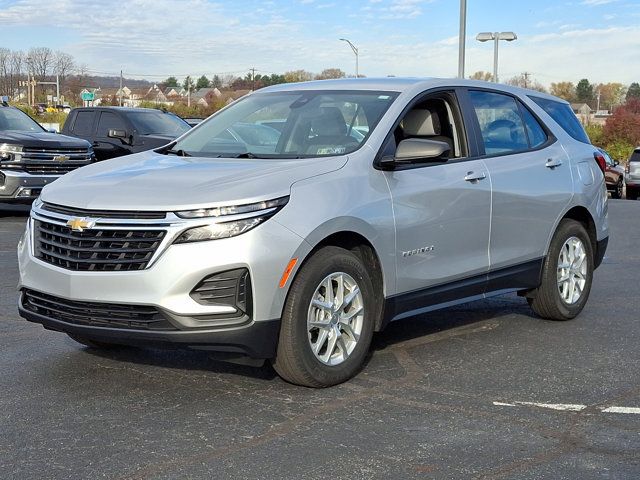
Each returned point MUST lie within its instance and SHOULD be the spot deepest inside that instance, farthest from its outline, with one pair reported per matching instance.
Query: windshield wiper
(179, 153)
(247, 155)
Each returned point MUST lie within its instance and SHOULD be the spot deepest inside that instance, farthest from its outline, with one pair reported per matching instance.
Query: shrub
(596, 134)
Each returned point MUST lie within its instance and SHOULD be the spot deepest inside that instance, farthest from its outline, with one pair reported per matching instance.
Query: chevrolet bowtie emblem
(80, 224)
(61, 158)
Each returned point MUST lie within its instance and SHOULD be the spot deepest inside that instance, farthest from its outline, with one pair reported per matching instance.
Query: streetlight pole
(355, 51)
(496, 37)
(463, 37)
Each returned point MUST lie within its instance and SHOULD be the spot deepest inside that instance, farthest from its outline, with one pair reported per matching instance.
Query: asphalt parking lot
(445, 396)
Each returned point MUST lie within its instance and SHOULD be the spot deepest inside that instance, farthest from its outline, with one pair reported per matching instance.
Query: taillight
(602, 163)
(627, 167)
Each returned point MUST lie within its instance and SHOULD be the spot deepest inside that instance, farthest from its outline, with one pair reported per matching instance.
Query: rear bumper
(20, 186)
(256, 340)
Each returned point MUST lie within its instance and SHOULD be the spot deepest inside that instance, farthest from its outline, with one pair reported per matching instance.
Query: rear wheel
(632, 194)
(328, 320)
(567, 274)
(617, 191)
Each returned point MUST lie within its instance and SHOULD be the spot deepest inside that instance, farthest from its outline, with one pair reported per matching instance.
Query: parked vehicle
(118, 131)
(613, 173)
(457, 190)
(632, 178)
(31, 157)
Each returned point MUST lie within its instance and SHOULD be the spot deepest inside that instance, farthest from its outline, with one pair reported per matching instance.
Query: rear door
(531, 182)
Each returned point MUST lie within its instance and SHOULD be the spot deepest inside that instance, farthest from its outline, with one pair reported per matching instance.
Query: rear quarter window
(563, 116)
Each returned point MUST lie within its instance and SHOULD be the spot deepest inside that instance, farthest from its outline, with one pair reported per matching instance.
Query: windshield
(289, 125)
(158, 123)
(13, 119)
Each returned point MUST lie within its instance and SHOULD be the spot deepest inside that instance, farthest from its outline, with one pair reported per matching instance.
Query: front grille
(96, 249)
(81, 212)
(95, 314)
(50, 161)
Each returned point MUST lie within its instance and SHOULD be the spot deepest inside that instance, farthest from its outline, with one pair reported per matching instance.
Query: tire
(94, 344)
(632, 194)
(553, 300)
(348, 327)
(617, 191)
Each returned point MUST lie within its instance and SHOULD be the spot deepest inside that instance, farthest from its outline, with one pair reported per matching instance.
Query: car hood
(152, 181)
(42, 140)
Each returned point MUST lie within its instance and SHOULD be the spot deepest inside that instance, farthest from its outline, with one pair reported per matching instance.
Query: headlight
(254, 213)
(234, 209)
(8, 150)
(217, 231)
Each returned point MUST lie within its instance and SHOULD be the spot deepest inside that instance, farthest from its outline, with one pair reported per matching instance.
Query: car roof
(401, 85)
(122, 109)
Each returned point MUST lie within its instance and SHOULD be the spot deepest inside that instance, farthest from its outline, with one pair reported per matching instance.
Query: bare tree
(482, 75)
(64, 65)
(40, 61)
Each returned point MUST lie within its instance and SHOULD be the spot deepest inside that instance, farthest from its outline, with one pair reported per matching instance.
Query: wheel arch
(359, 244)
(582, 215)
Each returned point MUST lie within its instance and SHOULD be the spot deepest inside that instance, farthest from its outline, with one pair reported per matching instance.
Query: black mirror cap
(117, 134)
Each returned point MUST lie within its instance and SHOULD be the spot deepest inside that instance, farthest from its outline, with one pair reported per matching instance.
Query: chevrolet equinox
(372, 201)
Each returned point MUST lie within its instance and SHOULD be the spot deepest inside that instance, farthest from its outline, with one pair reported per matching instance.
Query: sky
(557, 40)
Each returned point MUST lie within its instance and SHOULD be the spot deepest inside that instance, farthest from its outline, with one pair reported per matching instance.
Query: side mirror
(616, 163)
(417, 150)
(122, 134)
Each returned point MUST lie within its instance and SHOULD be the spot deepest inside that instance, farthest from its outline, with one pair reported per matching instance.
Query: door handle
(474, 177)
(553, 163)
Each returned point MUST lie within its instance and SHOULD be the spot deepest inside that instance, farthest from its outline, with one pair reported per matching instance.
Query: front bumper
(21, 186)
(166, 284)
(256, 340)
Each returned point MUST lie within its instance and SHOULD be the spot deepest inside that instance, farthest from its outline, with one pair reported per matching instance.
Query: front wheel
(328, 320)
(567, 274)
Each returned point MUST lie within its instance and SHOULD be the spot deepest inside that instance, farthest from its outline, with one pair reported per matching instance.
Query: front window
(12, 119)
(289, 125)
(158, 123)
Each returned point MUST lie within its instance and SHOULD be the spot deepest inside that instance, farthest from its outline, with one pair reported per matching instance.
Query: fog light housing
(231, 288)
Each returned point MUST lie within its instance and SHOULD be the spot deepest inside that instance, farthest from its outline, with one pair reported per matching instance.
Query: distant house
(205, 96)
(583, 112)
(176, 92)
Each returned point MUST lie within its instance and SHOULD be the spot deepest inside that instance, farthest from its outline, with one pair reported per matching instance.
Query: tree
(187, 84)
(524, 81)
(203, 82)
(40, 61)
(63, 66)
(611, 94)
(329, 73)
(633, 91)
(481, 75)
(171, 82)
(584, 91)
(565, 90)
(298, 76)
(623, 127)
(216, 82)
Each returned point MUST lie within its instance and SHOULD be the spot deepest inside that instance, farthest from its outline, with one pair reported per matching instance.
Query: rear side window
(564, 116)
(535, 132)
(635, 156)
(501, 125)
(83, 124)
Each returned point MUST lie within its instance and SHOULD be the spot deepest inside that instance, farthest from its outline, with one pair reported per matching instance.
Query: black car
(117, 131)
(31, 157)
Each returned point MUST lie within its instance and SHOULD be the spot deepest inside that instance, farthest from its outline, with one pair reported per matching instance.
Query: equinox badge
(80, 224)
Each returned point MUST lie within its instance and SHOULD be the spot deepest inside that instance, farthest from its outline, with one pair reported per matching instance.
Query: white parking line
(569, 407)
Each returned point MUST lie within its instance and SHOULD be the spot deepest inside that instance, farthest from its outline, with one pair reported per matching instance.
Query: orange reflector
(287, 272)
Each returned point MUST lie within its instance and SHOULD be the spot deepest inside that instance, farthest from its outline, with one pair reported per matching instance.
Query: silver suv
(351, 204)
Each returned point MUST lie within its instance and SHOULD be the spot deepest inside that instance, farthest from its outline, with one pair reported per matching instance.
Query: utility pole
(253, 78)
(120, 91)
(58, 89)
(463, 38)
(526, 75)
(598, 107)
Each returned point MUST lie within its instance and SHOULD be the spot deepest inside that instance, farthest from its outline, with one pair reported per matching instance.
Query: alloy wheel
(335, 318)
(572, 270)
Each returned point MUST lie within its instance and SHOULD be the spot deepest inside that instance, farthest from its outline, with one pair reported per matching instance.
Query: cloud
(597, 2)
